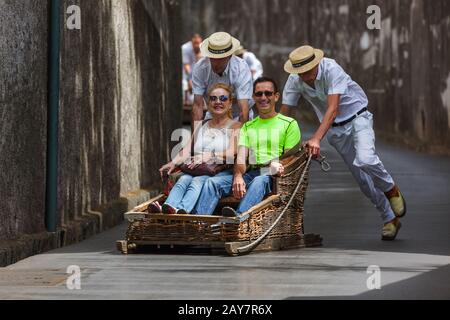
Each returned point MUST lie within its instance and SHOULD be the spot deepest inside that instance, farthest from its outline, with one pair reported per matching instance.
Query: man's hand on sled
(313, 147)
(239, 189)
(276, 169)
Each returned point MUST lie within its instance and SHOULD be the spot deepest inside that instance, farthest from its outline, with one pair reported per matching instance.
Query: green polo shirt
(267, 139)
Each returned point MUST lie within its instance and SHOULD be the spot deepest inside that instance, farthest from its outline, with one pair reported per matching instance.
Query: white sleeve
(199, 85)
(259, 66)
(254, 63)
(185, 54)
(337, 80)
(251, 60)
(244, 84)
(291, 92)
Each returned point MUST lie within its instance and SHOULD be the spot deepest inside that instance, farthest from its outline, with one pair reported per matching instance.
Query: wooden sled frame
(158, 230)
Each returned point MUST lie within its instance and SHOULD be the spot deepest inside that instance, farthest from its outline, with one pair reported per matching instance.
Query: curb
(90, 224)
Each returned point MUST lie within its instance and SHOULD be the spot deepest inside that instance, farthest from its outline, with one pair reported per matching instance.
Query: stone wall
(120, 100)
(404, 67)
(23, 116)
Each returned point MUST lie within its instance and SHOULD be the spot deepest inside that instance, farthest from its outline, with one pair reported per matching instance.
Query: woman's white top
(213, 139)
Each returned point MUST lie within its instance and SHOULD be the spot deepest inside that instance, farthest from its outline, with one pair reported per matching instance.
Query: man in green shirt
(262, 142)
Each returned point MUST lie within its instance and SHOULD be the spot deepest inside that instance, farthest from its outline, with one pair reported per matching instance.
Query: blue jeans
(258, 186)
(186, 192)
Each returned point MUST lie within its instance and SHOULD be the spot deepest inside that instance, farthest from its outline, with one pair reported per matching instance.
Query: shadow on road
(426, 286)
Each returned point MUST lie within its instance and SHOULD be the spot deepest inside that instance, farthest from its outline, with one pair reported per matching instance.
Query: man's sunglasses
(221, 98)
(268, 94)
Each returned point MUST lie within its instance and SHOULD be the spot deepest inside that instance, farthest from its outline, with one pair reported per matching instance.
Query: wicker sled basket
(231, 233)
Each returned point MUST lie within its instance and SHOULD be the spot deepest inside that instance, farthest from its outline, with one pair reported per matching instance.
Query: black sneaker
(229, 212)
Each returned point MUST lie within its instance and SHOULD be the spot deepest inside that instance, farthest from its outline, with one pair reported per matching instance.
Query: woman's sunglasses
(221, 98)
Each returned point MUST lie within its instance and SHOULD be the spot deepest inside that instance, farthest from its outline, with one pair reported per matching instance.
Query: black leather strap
(340, 124)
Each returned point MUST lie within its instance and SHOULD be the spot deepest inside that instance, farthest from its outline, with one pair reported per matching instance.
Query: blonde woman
(215, 141)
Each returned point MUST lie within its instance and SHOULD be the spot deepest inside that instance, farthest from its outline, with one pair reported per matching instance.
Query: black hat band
(301, 64)
(220, 51)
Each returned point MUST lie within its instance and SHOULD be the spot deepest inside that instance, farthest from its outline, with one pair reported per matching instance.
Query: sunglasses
(268, 94)
(221, 98)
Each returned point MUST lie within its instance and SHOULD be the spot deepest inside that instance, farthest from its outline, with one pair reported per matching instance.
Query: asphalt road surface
(415, 266)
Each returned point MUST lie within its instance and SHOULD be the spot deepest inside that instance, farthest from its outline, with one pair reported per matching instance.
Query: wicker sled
(274, 224)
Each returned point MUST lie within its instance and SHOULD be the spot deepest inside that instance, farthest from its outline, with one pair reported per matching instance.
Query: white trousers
(355, 142)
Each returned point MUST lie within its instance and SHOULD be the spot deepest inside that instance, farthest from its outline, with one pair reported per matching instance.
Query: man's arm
(187, 71)
(199, 88)
(286, 110)
(243, 113)
(244, 91)
(240, 168)
(313, 144)
(337, 86)
(187, 68)
(197, 110)
(291, 96)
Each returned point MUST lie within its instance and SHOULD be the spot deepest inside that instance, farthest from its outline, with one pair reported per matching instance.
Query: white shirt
(331, 79)
(254, 64)
(237, 75)
(189, 57)
(213, 139)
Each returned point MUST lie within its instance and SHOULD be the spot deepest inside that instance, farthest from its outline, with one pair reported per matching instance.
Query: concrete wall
(23, 116)
(120, 101)
(404, 67)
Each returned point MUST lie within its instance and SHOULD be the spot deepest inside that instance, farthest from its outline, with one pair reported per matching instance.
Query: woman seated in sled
(214, 146)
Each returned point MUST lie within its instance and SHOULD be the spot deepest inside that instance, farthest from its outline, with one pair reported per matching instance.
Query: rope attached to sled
(323, 163)
(249, 248)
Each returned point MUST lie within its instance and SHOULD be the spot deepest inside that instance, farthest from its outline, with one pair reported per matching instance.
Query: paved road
(415, 266)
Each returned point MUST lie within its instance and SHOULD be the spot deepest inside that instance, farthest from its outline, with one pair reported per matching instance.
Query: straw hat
(219, 45)
(303, 59)
(240, 51)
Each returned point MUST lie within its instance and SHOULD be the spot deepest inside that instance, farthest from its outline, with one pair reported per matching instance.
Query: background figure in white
(190, 55)
(254, 64)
